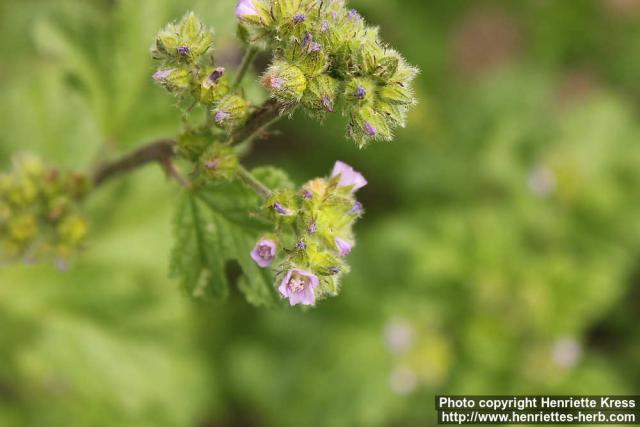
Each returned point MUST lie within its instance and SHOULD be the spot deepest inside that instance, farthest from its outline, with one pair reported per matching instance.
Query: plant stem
(157, 151)
(251, 181)
(249, 56)
(260, 119)
(162, 151)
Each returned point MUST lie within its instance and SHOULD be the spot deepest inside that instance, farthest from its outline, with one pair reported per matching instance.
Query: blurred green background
(500, 252)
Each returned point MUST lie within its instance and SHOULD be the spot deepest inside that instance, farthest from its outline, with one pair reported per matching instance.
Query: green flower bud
(38, 209)
(185, 42)
(286, 82)
(396, 95)
(72, 229)
(191, 144)
(386, 68)
(320, 96)
(214, 85)
(230, 112)
(366, 125)
(282, 206)
(360, 91)
(219, 162)
(174, 80)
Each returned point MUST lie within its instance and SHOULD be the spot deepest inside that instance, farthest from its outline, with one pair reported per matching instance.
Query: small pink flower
(348, 176)
(161, 75)
(245, 8)
(344, 246)
(298, 286)
(264, 252)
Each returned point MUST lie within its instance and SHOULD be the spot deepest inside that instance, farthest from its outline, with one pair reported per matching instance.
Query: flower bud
(213, 87)
(230, 112)
(360, 91)
(282, 206)
(184, 42)
(320, 96)
(366, 125)
(286, 82)
(344, 247)
(173, 79)
(219, 162)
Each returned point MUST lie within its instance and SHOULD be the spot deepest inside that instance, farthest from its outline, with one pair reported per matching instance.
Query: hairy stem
(162, 151)
(251, 181)
(259, 120)
(157, 151)
(249, 56)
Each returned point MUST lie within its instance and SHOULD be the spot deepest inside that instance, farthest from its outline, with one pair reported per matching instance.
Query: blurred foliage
(500, 252)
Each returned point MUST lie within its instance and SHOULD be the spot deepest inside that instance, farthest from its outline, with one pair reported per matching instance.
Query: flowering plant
(285, 242)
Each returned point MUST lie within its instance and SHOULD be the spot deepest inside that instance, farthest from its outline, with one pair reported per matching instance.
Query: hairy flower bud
(174, 80)
(183, 42)
(219, 162)
(320, 96)
(344, 247)
(213, 87)
(286, 82)
(230, 112)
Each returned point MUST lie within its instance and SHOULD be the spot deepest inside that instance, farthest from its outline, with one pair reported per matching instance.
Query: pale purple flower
(62, 264)
(353, 15)
(277, 206)
(298, 286)
(361, 92)
(403, 380)
(315, 47)
(183, 50)
(542, 181)
(369, 129)
(307, 39)
(324, 27)
(246, 8)
(313, 228)
(307, 195)
(299, 18)
(399, 336)
(221, 116)
(264, 252)
(348, 176)
(344, 246)
(161, 75)
(357, 208)
(301, 245)
(566, 352)
(334, 270)
(327, 103)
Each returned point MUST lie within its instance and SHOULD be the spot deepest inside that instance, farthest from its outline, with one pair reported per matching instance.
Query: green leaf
(217, 224)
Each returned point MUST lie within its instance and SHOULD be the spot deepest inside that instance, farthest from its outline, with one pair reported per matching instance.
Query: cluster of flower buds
(187, 69)
(312, 236)
(39, 213)
(324, 56)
